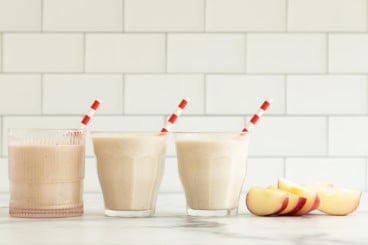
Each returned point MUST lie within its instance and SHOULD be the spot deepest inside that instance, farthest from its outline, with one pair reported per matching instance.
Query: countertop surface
(172, 226)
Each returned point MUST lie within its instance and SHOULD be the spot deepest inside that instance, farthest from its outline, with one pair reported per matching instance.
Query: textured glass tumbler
(46, 172)
(212, 170)
(130, 169)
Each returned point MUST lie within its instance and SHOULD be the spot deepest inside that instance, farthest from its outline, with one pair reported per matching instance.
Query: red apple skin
(300, 205)
(284, 205)
(300, 190)
(316, 203)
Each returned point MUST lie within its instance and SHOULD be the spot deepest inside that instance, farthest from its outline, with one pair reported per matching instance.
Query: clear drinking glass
(212, 170)
(46, 172)
(130, 169)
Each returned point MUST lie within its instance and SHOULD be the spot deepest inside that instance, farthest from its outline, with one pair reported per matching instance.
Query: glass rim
(47, 129)
(165, 133)
(117, 132)
(211, 132)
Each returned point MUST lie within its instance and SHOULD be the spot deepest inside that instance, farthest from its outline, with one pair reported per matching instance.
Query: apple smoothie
(130, 169)
(46, 172)
(212, 170)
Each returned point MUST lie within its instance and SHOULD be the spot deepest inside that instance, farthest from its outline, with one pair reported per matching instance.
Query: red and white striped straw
(87, 117)
(253, 121)
(175, 115)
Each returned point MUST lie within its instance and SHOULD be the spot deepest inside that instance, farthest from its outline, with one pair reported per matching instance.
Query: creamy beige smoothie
(46, 178)
(130, 169)
(212, 169)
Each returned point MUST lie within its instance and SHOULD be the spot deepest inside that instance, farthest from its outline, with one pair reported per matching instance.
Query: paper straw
(87, 117)
(253, 121)
(175, 115)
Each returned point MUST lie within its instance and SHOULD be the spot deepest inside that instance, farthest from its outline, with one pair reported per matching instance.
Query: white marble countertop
(172, 226)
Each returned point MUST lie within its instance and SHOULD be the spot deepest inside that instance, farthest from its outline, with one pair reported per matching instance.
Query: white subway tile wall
(144, 92)
(15, 89)
(348, 53)
(205, 53)
(4, 180)
(125, 53)
(286, 53)
(241, 94)
(263, 172)
(290, 136)
(164, 15)
(327, 94)
(79, 91)
(347, 172)
(140, 57)
(83, 15)
(42, 52)
(348, 136)
(245, 15)
(327, 15)
(20, 15)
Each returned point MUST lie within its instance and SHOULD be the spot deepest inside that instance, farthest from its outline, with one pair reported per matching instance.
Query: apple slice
(316, 186)
(295, 202)
(311, 196)
(262, 201)
(338, 201)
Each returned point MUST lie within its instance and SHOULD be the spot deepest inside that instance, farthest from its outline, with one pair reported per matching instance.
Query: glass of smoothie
(212, 169)
(130, 167)
(46, 172)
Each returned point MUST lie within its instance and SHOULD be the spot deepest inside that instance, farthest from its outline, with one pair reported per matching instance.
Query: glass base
(45, 213)
(212, 213)
(129, 213)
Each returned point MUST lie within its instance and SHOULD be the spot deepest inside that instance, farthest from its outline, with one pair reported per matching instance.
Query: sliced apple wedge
(338, 201)
(311, 196)
(295, 202)
(316, 186)
(262, 201)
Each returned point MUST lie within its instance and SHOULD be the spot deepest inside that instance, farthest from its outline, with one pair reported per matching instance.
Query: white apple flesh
(311, 196)
(263, 202)
(338, 201)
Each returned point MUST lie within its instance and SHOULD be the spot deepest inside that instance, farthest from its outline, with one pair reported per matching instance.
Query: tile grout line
(204, 16)
(327, 53)
(286, 94)
(286, 15)
(284, 167)
(245, 53)
(366, 175)
(42, 93)
(1, 136)
(123, 16)
(164, 121)
(240, 115)
(187, 73)
(123, 100)
(204, 94)
(84, 52)
(193, 32)
(366, 93)
(42, 12)
(2, 52)
(166, 53)
(327, 136)
(212, 115)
